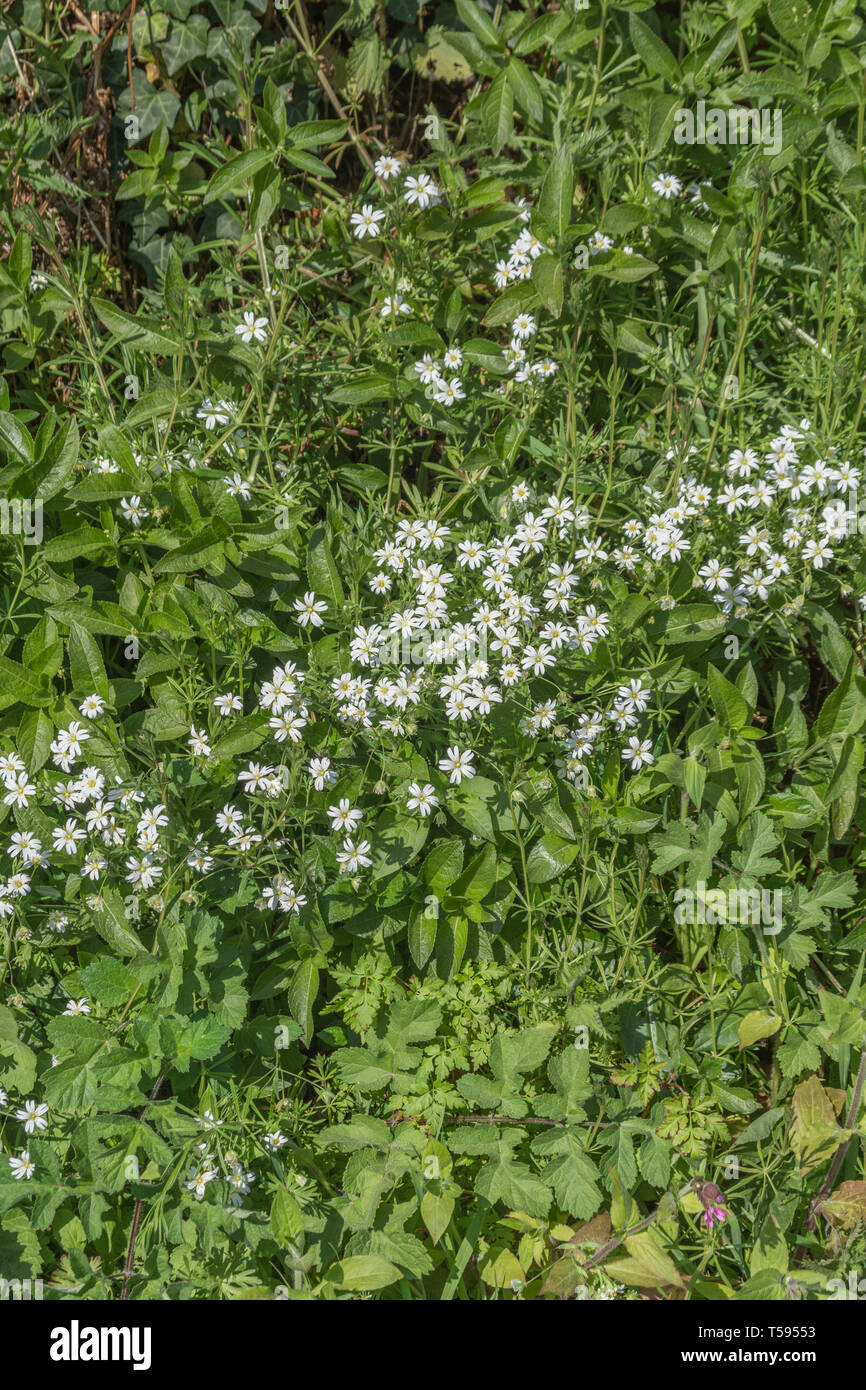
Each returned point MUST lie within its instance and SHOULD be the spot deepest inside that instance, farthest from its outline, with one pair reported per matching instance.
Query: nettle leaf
(107, 980)
(816, 1134)
(707, 841)
(672, 847)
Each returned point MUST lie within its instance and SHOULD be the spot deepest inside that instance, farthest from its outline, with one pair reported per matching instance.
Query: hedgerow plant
(432, 691)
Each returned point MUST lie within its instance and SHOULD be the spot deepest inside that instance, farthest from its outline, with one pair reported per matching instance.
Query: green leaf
(85, 663)
(517, 299)
(655, 54)
(287, 1222)
(16, 683)
(397, 838)
(203, 549)
(237, 171)
(363, 1273)
(526, 90)
(549, 857)
(33, 740)
(138, 333)
(497, 112)
(557, 192)
(365, 387)
(322, 571)
(302, 996)
(756, 1026)
(549, 279)
(442, 865)
(476, 20)
(112, 923)
(731, 709)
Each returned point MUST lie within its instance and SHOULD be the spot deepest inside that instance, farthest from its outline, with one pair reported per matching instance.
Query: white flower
(236, 487)
(308, 609)
(228, 704)
(598, 242)
(344, 816)
(255, 777)
(366, 222)
(447, 392)
(817, 552)
(143, 872)
(322, 773)
(92, 706)
(76, 1008)
(66, 837)
(33, 1116)
(352, 857)
(239, 1182)
(458, 764)
(22, 1167)
(198, 742)
(523, 326)
(252, 329)
(392, 305)
(387, 167)
(133, 510)
(422, 799)
(638, 752)
(200, 860)
(667, 186)
(422, 190)
(213, 415)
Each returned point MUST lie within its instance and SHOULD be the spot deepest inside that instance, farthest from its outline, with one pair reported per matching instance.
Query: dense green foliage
(431, 688)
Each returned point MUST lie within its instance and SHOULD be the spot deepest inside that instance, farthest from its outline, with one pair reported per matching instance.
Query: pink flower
(712, 1215)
